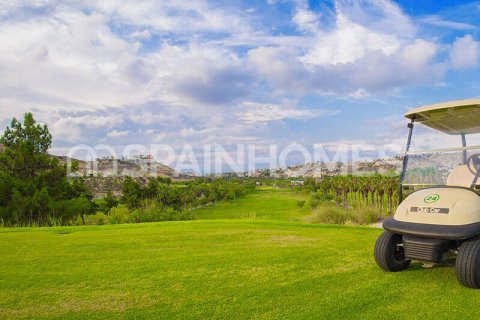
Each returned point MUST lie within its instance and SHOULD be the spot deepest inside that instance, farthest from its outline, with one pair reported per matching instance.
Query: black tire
(467, 266)
(388, 255)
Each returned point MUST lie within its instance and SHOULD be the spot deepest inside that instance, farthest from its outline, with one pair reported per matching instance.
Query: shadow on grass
(63, 232)
(419, 266)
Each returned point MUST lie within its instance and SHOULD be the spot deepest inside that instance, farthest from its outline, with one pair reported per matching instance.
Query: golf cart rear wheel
(389, 253)
(467, 266)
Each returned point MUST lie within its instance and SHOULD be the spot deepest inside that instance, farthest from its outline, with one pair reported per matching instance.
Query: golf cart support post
(405, 157)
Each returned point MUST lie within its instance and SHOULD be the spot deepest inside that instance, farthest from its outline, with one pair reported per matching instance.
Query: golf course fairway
(224, 269)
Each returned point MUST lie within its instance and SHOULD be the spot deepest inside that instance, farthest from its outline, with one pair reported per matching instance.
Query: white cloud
(68, 54)
(74, 129)
(71, 58)
(280, 66)
(439, 22)
(382, 16)
(418, 54)
(143, 34)
(205, 74)
(257, 112)
(174, 70)
(117, 134)
(175, 15)
(372, 73)
(348, 43)
(162, 117)
(465, 53)
(371, 47)
(306, 20)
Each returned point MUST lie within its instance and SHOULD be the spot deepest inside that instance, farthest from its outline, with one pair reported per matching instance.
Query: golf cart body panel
(432, 231)
(451, 206)
(451, 213)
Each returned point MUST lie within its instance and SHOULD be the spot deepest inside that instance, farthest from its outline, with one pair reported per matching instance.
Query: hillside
(428, 165)
(101, 175)
(319, 169)
(105, 167)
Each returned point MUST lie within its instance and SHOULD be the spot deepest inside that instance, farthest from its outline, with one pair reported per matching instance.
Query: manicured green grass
(264, 203)
(240, 269)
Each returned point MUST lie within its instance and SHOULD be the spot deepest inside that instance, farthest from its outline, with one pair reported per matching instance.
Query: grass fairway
(216, 269)
(264, 203)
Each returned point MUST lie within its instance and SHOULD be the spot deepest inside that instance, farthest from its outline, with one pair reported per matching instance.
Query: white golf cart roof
(452, 117)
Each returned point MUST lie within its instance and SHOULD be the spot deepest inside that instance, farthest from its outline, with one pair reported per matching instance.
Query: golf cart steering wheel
(473, 163)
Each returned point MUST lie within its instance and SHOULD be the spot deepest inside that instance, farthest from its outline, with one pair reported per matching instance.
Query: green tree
(150, 190)
(68, 210)
(131, 191)
(26, 146)
(110, 201)
(310, 184)
(75, 166)
(31, 181)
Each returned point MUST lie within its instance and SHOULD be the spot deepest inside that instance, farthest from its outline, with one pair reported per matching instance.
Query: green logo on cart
(431, 198)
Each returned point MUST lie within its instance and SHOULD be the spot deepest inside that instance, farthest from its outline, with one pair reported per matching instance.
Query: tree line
(35, 191)
(160, 199)
(376, 191)
(183, 195)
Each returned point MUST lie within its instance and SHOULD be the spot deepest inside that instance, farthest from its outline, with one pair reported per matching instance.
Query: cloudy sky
(227, 72)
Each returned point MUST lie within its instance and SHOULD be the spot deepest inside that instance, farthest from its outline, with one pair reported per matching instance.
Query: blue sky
(263, 72)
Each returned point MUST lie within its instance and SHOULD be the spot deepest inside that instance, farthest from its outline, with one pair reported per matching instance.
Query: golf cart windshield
(443, 166)
(445, 148)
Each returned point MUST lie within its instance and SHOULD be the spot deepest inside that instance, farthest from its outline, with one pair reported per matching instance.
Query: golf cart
(440, 217)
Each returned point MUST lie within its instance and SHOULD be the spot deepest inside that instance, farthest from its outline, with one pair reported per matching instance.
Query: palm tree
(337, 186)
(382, 185)
(345, 182)
(391, 189)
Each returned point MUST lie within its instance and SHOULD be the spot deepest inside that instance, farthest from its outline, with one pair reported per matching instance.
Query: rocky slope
(109, 167)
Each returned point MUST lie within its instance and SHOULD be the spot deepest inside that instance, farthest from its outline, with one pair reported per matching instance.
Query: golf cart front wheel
(389, 252)
(467, 266)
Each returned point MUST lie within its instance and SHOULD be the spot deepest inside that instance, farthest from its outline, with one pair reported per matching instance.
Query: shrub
(98, 218)
(301, 203)
(54, 221)
(119, 215)
(366, 216)
(336, 215)
(152, 214)
(150, 211)
(254, 216)
(322, 197)
(314, 203)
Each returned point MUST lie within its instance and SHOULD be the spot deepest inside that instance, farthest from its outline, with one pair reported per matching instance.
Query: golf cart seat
(460, 177)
